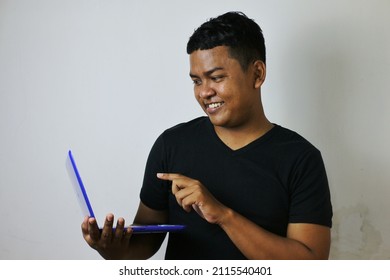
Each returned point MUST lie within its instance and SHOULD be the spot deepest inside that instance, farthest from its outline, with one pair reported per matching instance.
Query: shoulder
(187, 128)
(288, 134)
(290, 147)
(288, 138)
(183, 133)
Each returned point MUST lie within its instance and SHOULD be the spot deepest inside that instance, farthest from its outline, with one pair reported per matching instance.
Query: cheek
(196, 95)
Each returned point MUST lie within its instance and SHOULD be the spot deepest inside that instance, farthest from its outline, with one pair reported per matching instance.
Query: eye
(197, 82)
(217, 78)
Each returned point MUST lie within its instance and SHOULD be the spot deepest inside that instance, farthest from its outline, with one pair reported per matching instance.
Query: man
(244, 187)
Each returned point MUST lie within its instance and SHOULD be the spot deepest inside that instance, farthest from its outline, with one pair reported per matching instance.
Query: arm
(303, 241)
(120, 244)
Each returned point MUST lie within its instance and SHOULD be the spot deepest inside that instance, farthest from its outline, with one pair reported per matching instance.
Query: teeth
(215, 105)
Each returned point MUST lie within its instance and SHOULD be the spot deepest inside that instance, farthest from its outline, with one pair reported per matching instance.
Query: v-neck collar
(245, 148)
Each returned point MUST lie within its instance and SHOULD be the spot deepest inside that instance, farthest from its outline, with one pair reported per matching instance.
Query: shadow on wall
(330, 81)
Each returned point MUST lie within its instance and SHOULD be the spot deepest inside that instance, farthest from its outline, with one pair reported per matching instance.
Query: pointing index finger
(168, 176)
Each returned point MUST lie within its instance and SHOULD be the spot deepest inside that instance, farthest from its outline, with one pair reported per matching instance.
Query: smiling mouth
(214, 105)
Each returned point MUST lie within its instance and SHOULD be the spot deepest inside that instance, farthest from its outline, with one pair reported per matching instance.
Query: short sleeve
(310, 196)
(154, 192)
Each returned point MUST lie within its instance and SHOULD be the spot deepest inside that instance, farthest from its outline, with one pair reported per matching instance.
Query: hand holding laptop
(109, 242)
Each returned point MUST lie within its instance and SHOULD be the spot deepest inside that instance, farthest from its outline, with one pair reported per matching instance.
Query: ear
(260, 72)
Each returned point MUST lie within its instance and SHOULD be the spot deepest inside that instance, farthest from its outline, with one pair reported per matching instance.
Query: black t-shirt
(275, 180)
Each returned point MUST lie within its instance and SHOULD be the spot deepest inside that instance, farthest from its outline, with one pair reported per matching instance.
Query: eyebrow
(207, 73)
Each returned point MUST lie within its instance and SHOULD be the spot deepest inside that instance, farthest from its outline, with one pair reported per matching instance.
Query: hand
(191, 194)
(110, 243)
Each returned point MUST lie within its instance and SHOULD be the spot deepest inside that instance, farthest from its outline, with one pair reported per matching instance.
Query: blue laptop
(86, 206)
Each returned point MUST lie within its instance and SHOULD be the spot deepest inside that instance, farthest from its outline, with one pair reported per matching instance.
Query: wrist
(226, 217)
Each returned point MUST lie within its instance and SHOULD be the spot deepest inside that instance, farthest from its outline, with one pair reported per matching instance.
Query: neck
(238, 137)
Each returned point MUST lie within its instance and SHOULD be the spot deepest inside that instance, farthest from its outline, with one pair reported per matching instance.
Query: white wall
(105, 78)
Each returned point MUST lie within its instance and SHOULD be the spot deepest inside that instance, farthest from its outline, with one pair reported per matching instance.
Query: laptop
(86, 206)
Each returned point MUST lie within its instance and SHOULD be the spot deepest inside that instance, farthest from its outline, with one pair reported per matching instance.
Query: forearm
(139, 247)
(144, 246)
(257, 243)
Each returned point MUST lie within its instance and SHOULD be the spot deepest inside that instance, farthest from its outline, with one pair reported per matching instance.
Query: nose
(206, 91)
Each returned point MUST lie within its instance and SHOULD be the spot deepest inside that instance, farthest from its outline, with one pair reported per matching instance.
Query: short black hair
(235, 30)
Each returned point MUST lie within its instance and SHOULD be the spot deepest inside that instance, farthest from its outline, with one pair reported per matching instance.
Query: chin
(218, 121)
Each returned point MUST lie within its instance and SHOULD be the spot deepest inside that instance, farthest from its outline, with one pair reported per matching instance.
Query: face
(229, 95)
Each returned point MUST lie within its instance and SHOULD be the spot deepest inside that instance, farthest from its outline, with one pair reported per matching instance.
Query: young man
(244, 187)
